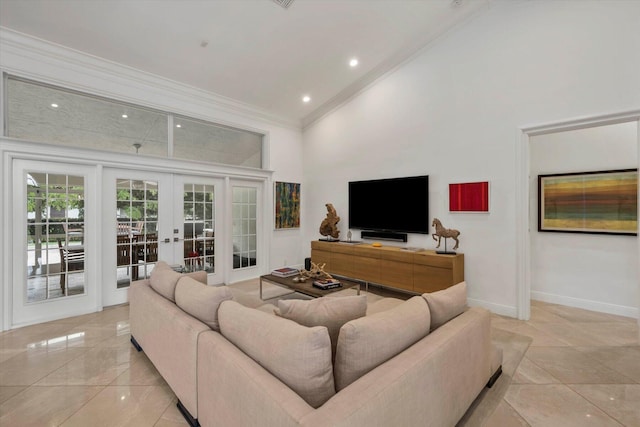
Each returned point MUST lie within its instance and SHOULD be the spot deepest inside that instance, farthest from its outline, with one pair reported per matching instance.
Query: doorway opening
(592, 272)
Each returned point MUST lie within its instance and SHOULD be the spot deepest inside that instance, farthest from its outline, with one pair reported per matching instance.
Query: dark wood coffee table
(307, 287)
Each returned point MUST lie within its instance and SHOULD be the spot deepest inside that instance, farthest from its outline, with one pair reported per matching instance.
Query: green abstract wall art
(287, 205)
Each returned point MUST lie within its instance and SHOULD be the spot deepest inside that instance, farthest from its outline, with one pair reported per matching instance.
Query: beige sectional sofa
(231, 361)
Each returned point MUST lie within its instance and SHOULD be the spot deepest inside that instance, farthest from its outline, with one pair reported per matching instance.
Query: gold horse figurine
(444, 232)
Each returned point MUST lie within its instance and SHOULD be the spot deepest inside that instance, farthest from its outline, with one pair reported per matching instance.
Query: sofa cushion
(332, 312)
(200, 276)
(245, 298)
(446, 304)
(298, 356)
(201, 301)
(370, 341)
(382, 305)
(163, 280)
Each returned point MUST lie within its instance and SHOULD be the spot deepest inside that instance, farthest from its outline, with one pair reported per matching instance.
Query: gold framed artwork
(602, 202)
(287, 205)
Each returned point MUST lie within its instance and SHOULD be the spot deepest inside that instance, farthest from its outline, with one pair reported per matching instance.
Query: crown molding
(22, 54)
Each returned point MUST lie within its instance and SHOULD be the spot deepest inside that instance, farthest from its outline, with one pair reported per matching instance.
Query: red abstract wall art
(469, 197)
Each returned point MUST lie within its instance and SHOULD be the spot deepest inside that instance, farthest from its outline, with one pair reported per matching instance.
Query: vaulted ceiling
(252, 51)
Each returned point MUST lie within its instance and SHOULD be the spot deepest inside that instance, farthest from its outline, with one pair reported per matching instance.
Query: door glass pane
(137, 229)
(244, 227)
(199, 227)
(55, 236)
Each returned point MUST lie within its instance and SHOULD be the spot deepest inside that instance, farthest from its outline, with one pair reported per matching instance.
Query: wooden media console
(414, 271)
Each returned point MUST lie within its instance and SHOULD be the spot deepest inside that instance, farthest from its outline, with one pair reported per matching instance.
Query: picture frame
(600, 202)
(287, 205)
(469, 197)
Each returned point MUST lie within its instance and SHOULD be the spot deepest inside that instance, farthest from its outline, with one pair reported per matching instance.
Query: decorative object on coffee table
(329, 225)
(285, 272)
(446, 233)
(316, 272)
(327, 284)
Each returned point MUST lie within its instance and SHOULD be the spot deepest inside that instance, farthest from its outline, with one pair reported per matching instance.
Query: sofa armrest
(233, 390)
(431, 383)
(169, 337)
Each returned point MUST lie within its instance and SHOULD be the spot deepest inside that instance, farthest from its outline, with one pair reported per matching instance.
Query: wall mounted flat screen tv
(394, 204)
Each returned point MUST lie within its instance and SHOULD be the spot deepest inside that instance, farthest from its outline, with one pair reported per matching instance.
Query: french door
(55, 266)
(199, 217)
(245, 204)
(81, 233)
(150, 217)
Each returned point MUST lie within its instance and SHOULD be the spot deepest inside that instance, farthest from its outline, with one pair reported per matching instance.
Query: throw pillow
(200, 276)
(446, 304)
(332, 312)
(298, 356)
(163, 280)
(370, 341)
(201, 301)
(162, 265)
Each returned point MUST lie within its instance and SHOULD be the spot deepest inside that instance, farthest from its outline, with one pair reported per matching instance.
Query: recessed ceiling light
(178, 125)
(306, 98)
(54, 105)
(353, 62)
(124, 116)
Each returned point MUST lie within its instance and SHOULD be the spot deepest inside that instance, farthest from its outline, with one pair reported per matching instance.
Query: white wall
(454, 112)
(597, 272)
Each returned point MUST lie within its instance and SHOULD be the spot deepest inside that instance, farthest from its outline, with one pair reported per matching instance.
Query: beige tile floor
(581, 368)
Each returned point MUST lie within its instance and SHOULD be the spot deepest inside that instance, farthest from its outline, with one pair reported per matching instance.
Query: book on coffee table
(326, 284)
(285, 272)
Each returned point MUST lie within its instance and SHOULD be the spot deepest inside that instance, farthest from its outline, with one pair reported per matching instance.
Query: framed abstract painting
(469, 197)
(287, 205)
(602, 202)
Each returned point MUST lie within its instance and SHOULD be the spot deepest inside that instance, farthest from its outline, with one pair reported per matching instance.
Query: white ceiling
(258, 53)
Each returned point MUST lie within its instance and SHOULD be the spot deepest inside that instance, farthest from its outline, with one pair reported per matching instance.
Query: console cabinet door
(341, 264)
(396, 274)
(363, 268)
(430, 279)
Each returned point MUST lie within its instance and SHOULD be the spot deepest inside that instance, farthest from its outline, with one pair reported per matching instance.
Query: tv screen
(395, 204)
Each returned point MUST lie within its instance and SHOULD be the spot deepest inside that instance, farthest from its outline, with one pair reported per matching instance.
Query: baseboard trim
(503, 310)
(598, 306)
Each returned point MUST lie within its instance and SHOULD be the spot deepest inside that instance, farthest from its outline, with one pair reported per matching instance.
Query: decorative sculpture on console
(329, 227)
(446, 233)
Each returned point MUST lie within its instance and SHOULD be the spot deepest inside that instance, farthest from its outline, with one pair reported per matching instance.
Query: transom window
(38, 112)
